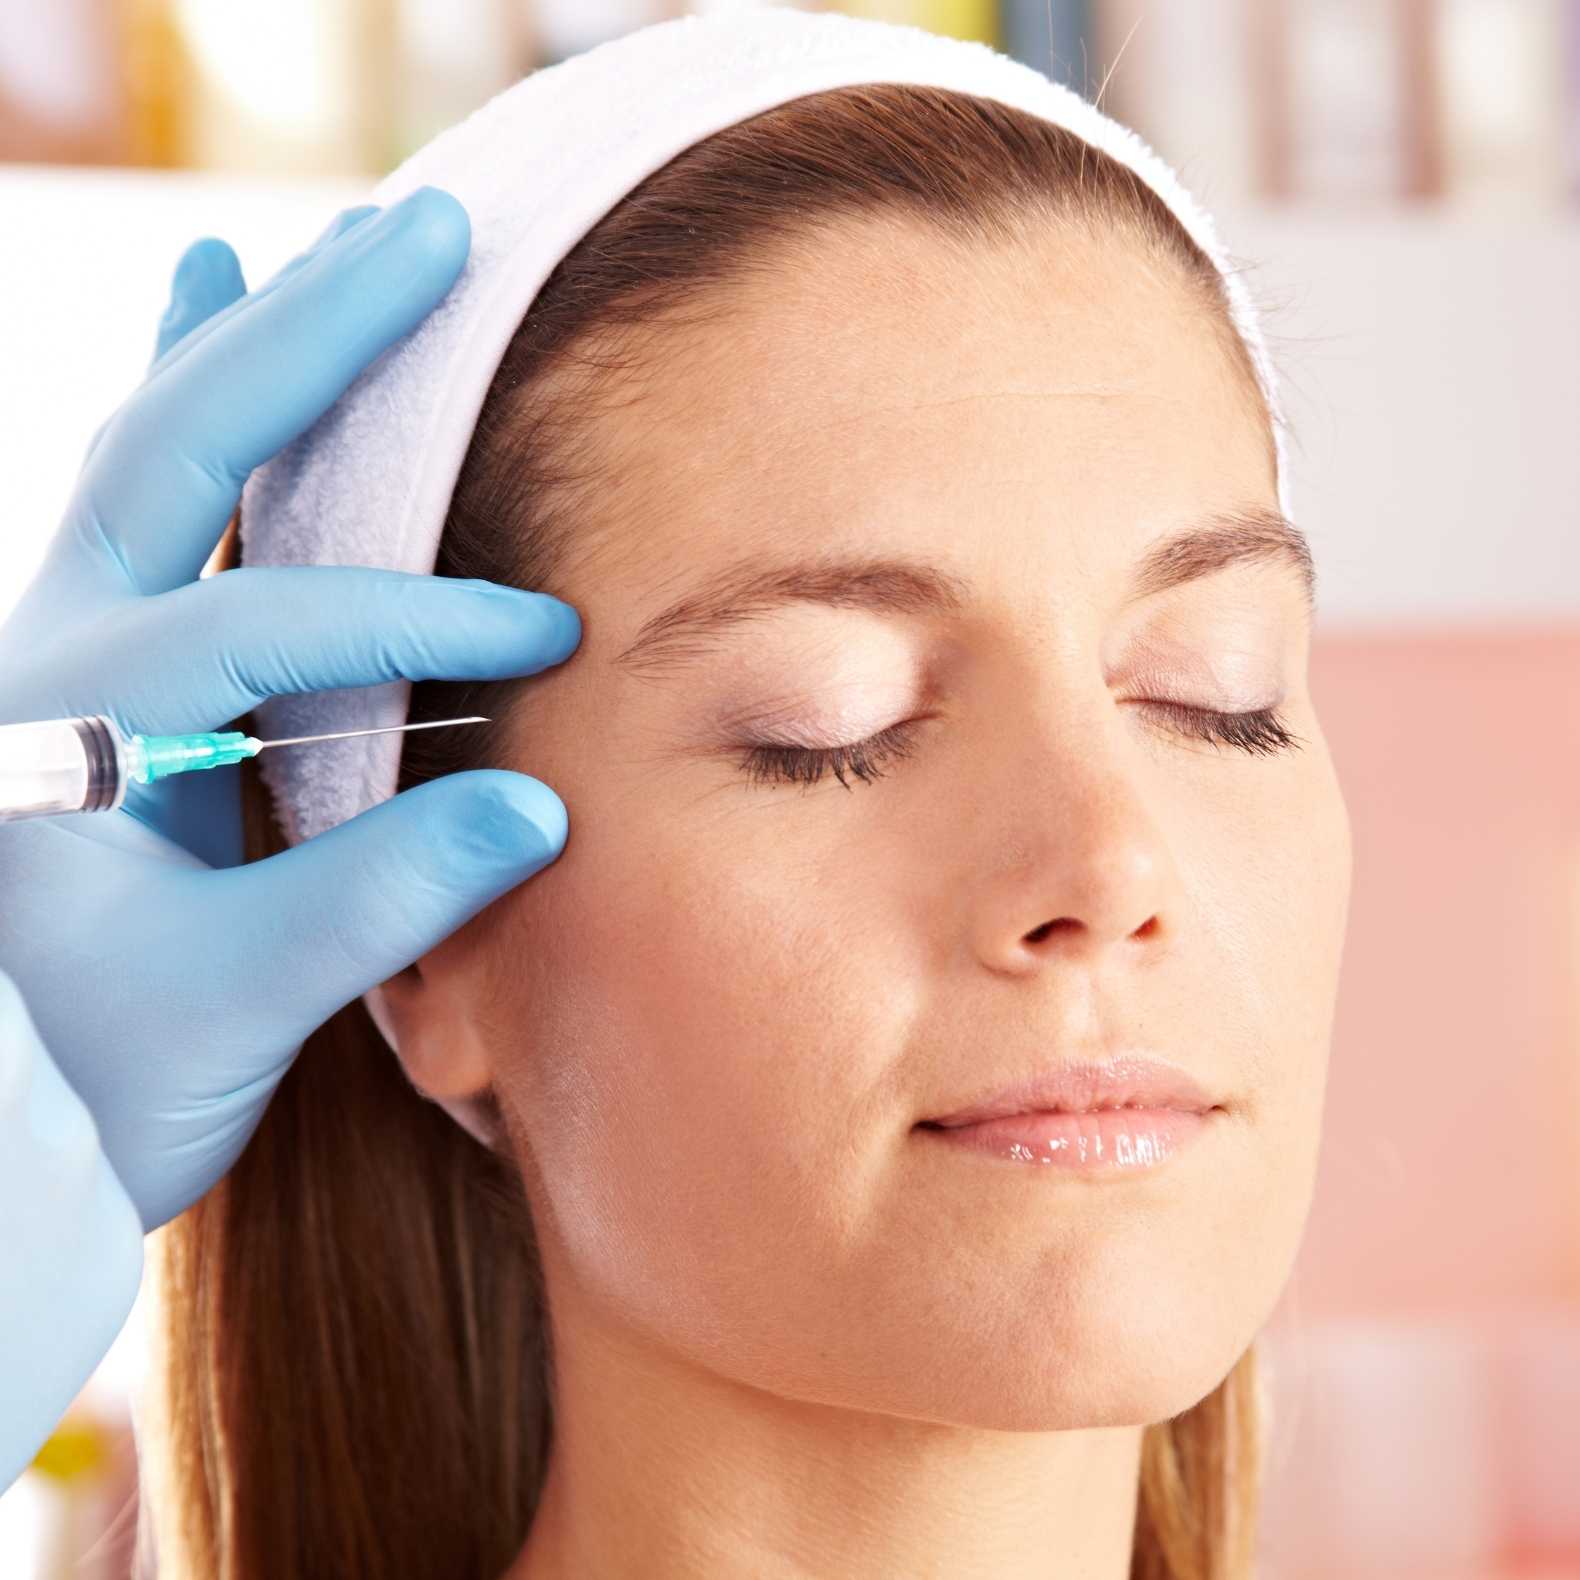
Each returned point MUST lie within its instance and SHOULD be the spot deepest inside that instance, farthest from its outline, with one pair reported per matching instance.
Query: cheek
(697, 1043)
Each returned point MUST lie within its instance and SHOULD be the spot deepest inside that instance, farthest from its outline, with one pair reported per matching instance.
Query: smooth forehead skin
(716, 1018)
(867, 342)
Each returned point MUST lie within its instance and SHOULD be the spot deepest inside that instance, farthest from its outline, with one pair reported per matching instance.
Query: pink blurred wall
(1426, 1356)
(1450, 1177)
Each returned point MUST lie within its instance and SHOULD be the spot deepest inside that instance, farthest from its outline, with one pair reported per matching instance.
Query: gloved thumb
(344, 911)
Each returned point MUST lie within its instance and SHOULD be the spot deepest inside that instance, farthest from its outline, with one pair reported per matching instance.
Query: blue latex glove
(73, 1244)
(173, 986)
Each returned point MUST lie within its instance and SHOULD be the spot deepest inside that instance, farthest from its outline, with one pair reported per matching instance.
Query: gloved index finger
(265, 631)
(166, 477)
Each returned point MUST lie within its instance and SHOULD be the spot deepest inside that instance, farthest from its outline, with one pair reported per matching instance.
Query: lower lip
(1115, 1140)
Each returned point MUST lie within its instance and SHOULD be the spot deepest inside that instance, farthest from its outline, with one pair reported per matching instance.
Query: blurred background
(1401, 179)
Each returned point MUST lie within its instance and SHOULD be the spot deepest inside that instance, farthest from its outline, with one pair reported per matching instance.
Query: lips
(1127, 1080)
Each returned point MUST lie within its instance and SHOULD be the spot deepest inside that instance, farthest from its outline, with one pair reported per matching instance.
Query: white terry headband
(536, 168)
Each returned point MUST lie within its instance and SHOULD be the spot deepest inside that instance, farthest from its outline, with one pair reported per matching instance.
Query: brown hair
(356, 1369)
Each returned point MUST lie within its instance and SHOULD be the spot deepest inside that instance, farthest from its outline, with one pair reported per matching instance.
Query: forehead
(873, 385)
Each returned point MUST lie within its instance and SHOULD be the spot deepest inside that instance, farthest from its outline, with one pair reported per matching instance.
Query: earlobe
(425, 1014)
(442, 1056)
(431, 1032)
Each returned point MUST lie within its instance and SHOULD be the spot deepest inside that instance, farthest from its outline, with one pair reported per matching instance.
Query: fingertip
(440, 221)
(209, 267)
(486, 828)
(526, 804)
(570, 625)
(505, 624)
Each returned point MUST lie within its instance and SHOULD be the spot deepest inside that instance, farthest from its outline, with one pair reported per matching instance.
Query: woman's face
(717, 1019)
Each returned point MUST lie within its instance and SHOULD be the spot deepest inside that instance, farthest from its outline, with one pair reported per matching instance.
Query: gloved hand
(172, 985)
(73, 1253)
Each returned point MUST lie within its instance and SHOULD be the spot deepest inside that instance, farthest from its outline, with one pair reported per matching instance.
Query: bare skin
(794, 1338)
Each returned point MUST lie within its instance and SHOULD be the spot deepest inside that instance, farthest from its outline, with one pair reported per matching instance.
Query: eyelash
(1261, 732)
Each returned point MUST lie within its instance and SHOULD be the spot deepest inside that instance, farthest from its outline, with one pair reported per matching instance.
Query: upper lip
(1132, 1080)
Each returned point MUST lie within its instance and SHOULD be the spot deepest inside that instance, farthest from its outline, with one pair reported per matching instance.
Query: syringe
(51, 767)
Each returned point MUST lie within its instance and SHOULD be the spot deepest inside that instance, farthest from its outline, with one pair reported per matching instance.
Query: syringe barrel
(53, 766)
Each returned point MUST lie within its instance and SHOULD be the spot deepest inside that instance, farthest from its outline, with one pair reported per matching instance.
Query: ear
(425, 1014)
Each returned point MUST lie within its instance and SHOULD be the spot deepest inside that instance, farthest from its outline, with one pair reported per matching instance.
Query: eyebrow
(690, 628)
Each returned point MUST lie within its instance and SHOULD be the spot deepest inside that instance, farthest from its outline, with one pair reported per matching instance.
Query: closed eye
(1259, 732)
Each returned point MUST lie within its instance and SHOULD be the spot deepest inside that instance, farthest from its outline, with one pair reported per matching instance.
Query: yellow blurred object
(77, 1448)
(158, 83)
(973, 20)
(303, 87)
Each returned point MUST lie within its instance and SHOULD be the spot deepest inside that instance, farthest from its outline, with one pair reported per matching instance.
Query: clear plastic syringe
(55, 766)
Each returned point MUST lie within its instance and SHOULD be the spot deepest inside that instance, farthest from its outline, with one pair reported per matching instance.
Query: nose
(1084, 871)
